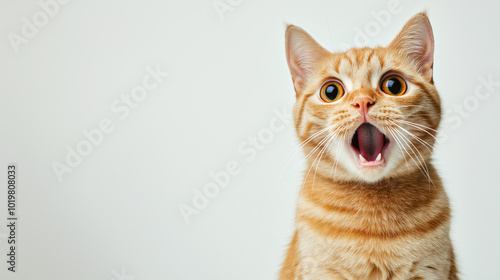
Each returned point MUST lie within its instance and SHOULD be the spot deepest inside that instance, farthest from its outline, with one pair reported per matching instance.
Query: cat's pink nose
(363, 103)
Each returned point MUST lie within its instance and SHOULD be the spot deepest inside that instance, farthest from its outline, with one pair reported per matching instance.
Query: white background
(117, 214)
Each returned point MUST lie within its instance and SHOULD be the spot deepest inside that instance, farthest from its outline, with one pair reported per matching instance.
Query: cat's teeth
(361, 158)
(379, 157)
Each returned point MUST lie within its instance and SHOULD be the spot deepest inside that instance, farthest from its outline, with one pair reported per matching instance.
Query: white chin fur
(345, 158)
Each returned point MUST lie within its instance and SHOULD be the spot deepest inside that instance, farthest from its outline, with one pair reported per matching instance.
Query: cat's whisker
(405, 147)
(412, 147)
(319, 144)
(398, 144)
(300, 146)
(403, 144)
(428, 146)
(414, 150)
(326, 146)
(410, 105)
(407, 106)
(422, 128)
(309, 139)
(418, 125)
(309, 170)
(415, 125)
(413, 156)
(328, 140)
(334, 166)
(324, 140)
(418, 114)
(317, 160)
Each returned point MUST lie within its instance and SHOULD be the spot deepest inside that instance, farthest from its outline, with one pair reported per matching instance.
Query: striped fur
(385, 222)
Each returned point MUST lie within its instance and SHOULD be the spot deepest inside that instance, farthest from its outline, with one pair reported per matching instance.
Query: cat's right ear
(416, 42)
(302, 54)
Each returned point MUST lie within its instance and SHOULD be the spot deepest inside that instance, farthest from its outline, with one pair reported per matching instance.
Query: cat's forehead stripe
(358, 67)
(354, 68)
(369, 55)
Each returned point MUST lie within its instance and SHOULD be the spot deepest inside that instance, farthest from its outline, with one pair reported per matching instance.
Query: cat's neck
(389, 208)
(397, 194)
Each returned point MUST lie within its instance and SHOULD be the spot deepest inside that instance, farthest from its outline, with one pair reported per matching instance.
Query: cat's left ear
(416, 42)
(302, 54)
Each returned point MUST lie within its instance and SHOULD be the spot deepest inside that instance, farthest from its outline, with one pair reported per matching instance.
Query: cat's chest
(323, 257)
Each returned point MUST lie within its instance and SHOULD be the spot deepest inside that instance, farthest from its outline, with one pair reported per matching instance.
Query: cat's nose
(363, 103)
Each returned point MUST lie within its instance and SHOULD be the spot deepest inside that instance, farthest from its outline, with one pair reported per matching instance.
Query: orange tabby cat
(372, 206)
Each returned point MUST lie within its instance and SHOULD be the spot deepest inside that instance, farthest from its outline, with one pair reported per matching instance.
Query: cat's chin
(370, 172)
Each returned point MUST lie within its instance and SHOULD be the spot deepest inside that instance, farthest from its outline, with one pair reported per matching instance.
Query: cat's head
(370, 113)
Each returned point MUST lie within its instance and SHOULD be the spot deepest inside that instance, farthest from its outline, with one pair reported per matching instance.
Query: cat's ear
(416, 42)
(302, 54)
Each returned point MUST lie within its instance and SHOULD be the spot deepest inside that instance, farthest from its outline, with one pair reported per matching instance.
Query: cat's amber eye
(331, 91)
(393, 85)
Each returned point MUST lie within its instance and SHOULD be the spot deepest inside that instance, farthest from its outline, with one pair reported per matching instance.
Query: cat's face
(366, 114)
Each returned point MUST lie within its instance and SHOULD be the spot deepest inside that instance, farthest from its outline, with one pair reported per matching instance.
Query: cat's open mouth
(369, 145)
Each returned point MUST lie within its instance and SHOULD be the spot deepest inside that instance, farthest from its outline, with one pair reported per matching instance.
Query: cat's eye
(331, 91)
(393, 85)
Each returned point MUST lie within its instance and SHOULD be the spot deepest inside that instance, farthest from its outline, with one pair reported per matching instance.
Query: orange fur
(385, 222)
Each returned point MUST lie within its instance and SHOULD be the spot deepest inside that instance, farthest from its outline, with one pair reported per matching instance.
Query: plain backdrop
(116, 214)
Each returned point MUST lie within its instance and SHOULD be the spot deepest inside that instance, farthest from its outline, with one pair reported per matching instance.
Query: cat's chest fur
(341, 257)
(373, 234)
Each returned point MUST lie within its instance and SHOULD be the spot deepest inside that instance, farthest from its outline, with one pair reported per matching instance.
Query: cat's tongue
(370, 141)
